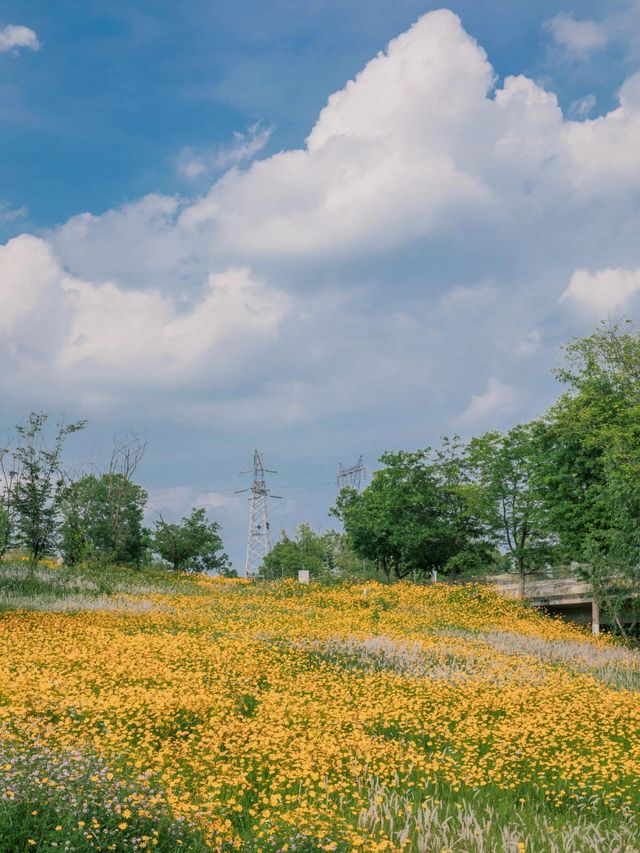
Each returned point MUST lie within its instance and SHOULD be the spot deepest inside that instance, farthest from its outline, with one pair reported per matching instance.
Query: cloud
(580, 108)
(604, 291)
(417, 145)
(355, 292)
(28, 273)
(498, 402)
(461, 298)
(11, 214)
(13, 37)
(529, 344)
(578, 38)
(173, 502)
(100, 331)
(197, 164)
(431, 220)
(377, 168)
(114, 328)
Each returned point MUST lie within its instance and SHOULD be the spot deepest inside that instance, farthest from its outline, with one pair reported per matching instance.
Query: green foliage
(573, 478)
(38, 484)
(594, 434)
(77, 587)
(5, 530)
(194, 545)
(80, 806)
(102, 520)
(416, 516)
(508, 499)
(325, 556)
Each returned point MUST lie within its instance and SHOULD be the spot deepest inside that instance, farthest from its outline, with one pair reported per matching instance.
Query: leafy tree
(78, 510)
(5, 530)
(307, 550)
(122, 501)
(344, 563)
(594, 430)
(326, 556)
(415, 516)
(92, 530)
(508, 499)
(473, 553)
(283, 561)
(573, 479)
(194, 545)
(228, 572)
(38, 484)
(8, 478)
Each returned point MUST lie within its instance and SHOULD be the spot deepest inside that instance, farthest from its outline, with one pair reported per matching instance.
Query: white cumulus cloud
(604, 291)
(174, 501)
(448, 210)
(102, 331)
(15, 36)
(578, 37)
(193, 164)
(492, 406)
(27, 270)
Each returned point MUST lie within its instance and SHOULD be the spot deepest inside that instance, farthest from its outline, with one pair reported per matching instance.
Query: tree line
(563, 489)
(95, 518)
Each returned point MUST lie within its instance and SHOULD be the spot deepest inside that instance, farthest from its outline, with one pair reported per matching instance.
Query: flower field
(230, 715)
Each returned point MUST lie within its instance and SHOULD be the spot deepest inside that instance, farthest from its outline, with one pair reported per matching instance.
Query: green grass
(75, 802)
(26, 587)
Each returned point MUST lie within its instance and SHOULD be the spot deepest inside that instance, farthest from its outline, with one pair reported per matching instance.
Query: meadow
(148, 712)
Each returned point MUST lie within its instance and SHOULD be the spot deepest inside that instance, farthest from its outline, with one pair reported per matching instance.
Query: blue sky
(409, 271)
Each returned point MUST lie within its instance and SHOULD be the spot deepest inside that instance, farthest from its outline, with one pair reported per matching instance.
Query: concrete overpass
(568, 597)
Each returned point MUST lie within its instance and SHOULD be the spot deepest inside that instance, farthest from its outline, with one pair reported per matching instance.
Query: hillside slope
(222, 715)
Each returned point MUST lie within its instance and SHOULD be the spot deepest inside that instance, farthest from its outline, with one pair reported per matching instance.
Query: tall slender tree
(508, 498)
(38, 483)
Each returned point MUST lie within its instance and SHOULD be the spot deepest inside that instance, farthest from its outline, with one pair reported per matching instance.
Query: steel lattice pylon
(258, 540)
(353, 476)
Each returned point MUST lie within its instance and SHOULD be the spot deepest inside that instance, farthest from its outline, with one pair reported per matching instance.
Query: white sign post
(303, 576)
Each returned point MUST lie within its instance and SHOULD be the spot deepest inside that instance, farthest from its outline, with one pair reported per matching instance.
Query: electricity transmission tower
(353, 476)
(258, 540)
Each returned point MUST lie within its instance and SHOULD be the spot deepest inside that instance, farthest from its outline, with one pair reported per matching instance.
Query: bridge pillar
(595, 617)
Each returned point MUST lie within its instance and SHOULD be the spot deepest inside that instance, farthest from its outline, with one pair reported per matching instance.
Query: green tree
(78, 511)
(194, 545)
(5, 530)
(473, 552)
(326, 556)
(93, 530)
(508, 499)
(38, 484)
(307, 550)
(8, 478)
(573, 479)
(416, 517)
(593, 434)
(345, 563)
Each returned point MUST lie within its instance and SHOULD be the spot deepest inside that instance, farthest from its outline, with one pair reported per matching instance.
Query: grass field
(142, 713)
